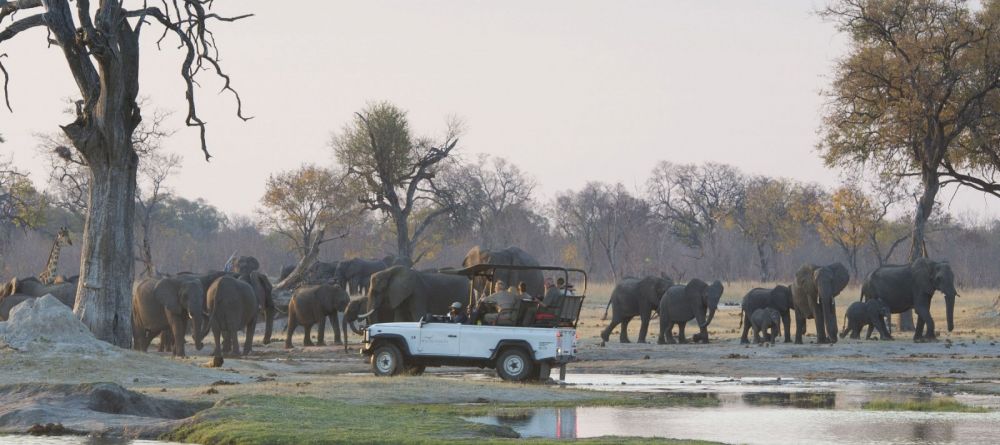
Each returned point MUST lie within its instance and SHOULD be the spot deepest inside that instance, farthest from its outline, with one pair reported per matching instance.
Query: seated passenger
(456, 314)
(505, 304)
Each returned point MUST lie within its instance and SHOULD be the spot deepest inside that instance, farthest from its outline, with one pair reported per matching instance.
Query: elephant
(64, 292)
(631, 297)
(872, 313)
(232, 305)
(403, 294)
(355, 274)
(911, 286)
(767, 321)
(682, 303)
(247, 268)
(779, 298)
(321, 272)
(511, 256)
(312, 304)
(353, 317)
(7, 304)
(166, 304)
(813, 293)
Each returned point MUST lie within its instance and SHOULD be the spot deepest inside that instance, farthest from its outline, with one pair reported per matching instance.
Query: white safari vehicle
(518, 353)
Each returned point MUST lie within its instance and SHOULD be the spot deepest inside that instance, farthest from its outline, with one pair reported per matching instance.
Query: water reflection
(814, 400)
(755, 420)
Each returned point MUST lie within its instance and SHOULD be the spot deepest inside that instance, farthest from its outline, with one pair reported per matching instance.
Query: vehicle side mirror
(423, 321)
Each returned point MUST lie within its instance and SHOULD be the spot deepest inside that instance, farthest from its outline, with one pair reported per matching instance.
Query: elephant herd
(891, 289)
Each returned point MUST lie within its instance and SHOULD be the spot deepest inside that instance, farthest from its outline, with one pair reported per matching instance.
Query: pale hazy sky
(570, 91)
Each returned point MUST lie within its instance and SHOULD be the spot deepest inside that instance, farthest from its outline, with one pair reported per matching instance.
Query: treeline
(707, 220)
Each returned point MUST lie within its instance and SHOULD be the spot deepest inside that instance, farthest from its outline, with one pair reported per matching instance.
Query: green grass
(281, 420)
(943, 404)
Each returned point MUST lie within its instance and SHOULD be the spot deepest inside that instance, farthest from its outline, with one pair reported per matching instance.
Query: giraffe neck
(49, 273)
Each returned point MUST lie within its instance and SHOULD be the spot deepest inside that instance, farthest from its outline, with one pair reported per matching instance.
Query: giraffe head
(63, 236)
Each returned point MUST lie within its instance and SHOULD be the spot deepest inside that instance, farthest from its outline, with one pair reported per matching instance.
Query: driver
(456, 314)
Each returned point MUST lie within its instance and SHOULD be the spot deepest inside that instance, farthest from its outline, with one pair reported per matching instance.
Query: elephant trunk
(949, 301)
(711, 315)
(830, 317)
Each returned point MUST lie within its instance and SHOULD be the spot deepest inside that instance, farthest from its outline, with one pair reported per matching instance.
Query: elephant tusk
(366, 314)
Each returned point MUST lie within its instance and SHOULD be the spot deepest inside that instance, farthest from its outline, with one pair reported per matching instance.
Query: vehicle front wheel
(514, 365)
(387, 360)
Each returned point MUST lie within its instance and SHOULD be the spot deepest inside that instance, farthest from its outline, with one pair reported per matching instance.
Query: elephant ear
(401, 286)
(167, 293)
(923, 275)
(648, 290)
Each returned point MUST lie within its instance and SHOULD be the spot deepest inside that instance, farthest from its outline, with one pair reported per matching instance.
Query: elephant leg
(248, 344)
(661, 338)
(606, 333)
(746, 328)
(322, 330)
(680, 332)
(335, 324)
(307, 328)
(290, 329)
(906, 321)
(669, 334)
(820, 326)
(756, 335)
(868, 334)
(924, 319)
(216, 335)
(269, 323)
(800, 327)
(623, 336)
(643, 326)
(178, 327)
(883, 331)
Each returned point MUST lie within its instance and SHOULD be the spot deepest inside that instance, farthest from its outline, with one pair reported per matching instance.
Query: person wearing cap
(456, 314)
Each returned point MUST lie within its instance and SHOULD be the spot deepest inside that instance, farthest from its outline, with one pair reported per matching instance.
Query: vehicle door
(439, 339)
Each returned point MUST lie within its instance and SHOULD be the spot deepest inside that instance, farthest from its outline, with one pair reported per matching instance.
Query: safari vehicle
(518, 353)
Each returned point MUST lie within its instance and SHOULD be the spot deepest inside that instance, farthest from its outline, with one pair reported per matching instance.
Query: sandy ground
(967, 359)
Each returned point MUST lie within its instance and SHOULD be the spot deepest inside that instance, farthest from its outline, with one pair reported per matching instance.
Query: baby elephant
(872, 313)
(767, 321)
(311, 305)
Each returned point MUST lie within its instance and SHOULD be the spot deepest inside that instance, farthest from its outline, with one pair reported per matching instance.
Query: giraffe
(49, 274)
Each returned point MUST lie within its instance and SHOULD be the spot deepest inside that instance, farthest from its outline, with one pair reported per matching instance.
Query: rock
(56, 409)
(45, 324)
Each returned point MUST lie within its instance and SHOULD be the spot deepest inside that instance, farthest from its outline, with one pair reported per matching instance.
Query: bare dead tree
(101, 48)
(152, 192)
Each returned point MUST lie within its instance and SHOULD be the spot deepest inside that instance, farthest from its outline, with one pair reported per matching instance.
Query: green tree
(305, 206)
(769, 214)
(917, 96)
(394, 172)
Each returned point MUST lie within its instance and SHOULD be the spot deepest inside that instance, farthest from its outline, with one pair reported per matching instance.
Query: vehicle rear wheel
(514, 365)
(387, 360)
(414, 369)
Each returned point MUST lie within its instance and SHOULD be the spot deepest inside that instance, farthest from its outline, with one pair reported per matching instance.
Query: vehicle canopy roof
(488, 270)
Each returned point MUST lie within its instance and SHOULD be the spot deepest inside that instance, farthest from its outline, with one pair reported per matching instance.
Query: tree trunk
(103, 299)
(403, 245)
(305, 262)
(146, 251)
(762, 258)
(918, 247)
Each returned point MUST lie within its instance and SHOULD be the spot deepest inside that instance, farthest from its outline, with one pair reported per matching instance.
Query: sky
(571, 91)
